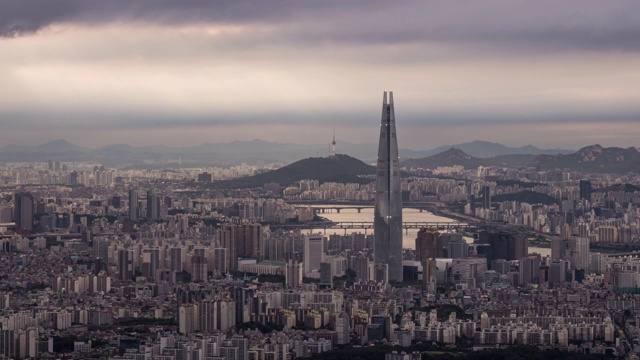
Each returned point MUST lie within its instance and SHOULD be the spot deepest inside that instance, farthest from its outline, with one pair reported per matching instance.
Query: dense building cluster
(131, 264)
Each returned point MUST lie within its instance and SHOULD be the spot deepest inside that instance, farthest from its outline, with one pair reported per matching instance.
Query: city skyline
(556, 76)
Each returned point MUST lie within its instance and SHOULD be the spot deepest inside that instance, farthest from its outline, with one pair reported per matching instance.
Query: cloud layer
(180, 72)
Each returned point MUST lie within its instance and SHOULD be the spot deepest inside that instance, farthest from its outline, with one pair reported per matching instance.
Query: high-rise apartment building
(220, 260)
(125, 264)
(293, 274)
(580, 255)
(198, 268)
(529, 270)
(176, 258)
(250, 241)
(342, 327)
(361, 267)
(388, 198)
(150, 262)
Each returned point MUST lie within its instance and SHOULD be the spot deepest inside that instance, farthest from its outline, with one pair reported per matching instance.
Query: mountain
(448, 157)
(453, 156)
(591, 159)
(59, 147)
(338, 168)
(485, 149)
(509, 160)
(254, 152)
(54, 150)
(594, 159)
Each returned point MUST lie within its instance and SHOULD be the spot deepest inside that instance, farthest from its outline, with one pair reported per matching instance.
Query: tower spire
(333, 144)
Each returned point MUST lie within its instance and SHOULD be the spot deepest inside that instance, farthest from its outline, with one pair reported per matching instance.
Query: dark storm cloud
(24, 17)
(509, 25)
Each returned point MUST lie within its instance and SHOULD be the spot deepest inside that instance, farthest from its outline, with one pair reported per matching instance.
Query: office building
(133, 204)
(585, 190)
(486, 197)
(326, 276)
(361, 267)
(428, 245)
(313, 252)
(557, 272)
(504, 245)
(153, 206)
(23, 211)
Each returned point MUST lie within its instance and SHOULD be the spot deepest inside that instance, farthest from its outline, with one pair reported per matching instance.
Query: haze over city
(556, 75)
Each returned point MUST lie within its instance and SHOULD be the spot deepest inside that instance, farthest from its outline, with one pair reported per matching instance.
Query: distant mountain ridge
(253, 152)
(453, 156)
(486, 149)
(590, 159)
(595, 159)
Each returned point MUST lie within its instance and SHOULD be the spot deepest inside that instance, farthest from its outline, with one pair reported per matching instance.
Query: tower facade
(387, 220)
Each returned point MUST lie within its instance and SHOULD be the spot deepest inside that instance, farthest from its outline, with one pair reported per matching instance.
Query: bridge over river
(322, 207)
(368, 225)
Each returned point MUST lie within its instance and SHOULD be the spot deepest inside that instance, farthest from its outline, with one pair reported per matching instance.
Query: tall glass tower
(387, 220)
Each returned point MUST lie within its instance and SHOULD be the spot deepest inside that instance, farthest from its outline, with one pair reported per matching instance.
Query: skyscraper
(133, 205)
(506, 245)
(313, 252)
(585, 190)
(486, 197)
(153, 206)
(23, 211)
(428, 245)
(387, 218)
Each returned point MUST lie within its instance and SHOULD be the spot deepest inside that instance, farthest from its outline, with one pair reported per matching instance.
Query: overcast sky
(561, 74)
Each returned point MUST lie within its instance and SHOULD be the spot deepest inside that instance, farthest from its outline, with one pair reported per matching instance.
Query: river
(408, 214)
